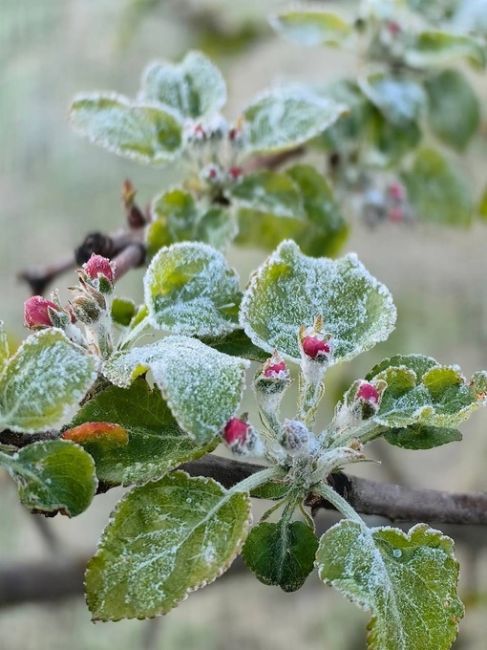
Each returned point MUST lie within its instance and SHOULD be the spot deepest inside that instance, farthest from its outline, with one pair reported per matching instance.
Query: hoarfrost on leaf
(190, 289)
(291, 289)
(202, 387)
(43, 383)
(407, 581)
(311, 27)
(165, 540)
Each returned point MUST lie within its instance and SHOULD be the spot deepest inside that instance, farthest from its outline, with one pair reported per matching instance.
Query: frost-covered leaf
(202, 387)
(436, 47)
(287, 117)
(298, 204)
(238, 344)
(195, 87)
(163, 541)
(437, 191)
(387, 142)
(423, 393)
(418, 436)
(311, 27)
(190, 289)
(281, 554)
(177, 217)
(53, 476)
(408, 582)
(148, 134)
(156, 444)
(290, 289)
(123, 310)
(43, 383)
(454, 109)
(399, 99)
(4, 347)
(483, 205)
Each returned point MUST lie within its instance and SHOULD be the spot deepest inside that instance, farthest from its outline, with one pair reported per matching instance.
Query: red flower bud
(393, 27)
(235, 173)
(274, 370)
(315, 348)
(367, 392)
(98, 266)
(36, 312)
(236, 432)
(396, 191)
(234, 134)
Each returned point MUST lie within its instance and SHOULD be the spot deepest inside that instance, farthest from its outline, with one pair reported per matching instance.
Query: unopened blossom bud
(316, 348)
(396, 191)
(86, 309)
(235, 173)
(98, 266)
(212, 174)
(393, 27)
(296, 437)
(271, 382)
(368, 393)
(368, 397)
(217, 127)
(240, 436)
(40, 312)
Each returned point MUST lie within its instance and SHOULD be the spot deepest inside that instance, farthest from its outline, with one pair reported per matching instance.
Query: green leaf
(53, 476)
(450, 95)
(163, 541)
(422, 392)
(436, 47)
(437, 191)
(201, 386)
(4, 347)
(308, 27)
(147, 134)
(408, 582)
(281, 554)
(269, 192)
(287, 117)
(177, 217)
(123, 310)
(483, 205)
(194, 88)
(156, 443)
(290, 289)
(190, 289)
(399, 99)
(387, 142)
(238, 344)
(43, 383)
(418, 436)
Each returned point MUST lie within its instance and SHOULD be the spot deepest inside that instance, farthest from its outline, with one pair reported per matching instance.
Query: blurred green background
(54, 188)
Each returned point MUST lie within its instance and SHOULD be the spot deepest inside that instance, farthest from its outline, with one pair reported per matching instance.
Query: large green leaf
(281, 554)
(424, 393)
(269, 192)
(399, 99)
(406, 581)
(190, 289)
(194, 87)
(418, 436)
(163, 541)
(290, 289)
(436, 47)
(156, 443)
(53, 476)
(238, 344)
(202, 387)
(311, 27)
(287, 117)
(148, 134)
(43, 383)
(454, 110)
(437, 191)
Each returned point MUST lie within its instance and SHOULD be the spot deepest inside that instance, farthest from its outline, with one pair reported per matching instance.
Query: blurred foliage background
(55, 188)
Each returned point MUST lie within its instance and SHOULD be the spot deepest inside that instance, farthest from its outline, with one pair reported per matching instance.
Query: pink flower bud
(396, 191)
(235, 173)
(234, 134)
(315, 348)
(275, 370)
(36, 312)
(393, 27)
(236, 432)
(367, 392)
(98, 266)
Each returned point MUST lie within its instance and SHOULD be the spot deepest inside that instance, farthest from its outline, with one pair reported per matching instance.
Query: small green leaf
(399, 99)
(191, 290)
(309, 27)
(408, 582)
(156, 444)
(437, 191)
(238, 344)
(450, 95)
(281, 554)
(163, 541)
(436, 47)
(147, 134)
(123, 310)
(53, 476)
(290, 289)
(287, 117)
(269, 192)
(43, 383)
(201, 386)
(418, 363)
(483, 205)
(4, 347)
(418, 436)
(194, 88)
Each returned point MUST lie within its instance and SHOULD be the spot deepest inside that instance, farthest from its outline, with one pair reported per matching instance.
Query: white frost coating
(290, 289)
(203, 387)
(194, 88)
(190, 289)
(287, 116)
(142, 132)
(43, 383)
